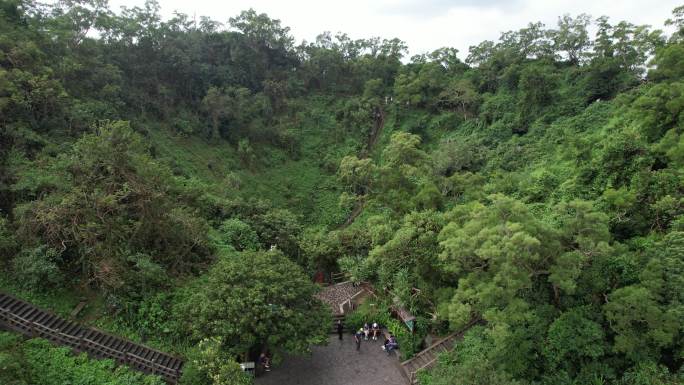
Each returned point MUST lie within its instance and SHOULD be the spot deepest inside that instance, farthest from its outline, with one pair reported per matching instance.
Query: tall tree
(255, 299)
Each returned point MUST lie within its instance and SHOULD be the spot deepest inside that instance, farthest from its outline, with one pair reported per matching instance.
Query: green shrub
(38, 362)
(8, 244)
(650, 373)
(208, 364)
(13, 370)
(37, 268)
(153, 316)
(369, 311)
(238, 234)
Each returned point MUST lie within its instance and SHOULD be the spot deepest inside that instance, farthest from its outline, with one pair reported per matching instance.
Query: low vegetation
(191, 178)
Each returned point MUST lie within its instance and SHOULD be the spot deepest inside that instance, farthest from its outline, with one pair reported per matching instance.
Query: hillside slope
(190, 179)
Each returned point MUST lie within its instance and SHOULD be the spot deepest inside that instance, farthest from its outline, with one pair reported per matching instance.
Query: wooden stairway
(427, 358)
(22, 317)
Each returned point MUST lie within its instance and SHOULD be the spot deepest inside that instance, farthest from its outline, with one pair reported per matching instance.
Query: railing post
(127, 355)
(33, 330)
(80, 341)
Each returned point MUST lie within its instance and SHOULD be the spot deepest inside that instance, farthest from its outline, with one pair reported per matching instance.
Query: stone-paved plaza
(338, 363)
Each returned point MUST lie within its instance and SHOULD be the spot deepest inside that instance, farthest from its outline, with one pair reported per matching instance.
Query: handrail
(171, 371)
(431, 348)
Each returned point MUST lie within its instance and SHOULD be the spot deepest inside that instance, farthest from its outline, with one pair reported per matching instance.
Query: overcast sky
(424, 24)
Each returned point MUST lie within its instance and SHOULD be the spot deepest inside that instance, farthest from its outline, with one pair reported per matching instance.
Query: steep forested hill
(190, 178)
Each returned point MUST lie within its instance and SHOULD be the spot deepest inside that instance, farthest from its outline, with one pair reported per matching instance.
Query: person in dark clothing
(357, 338)
(265, 362)
(340, 328)
(390, 345)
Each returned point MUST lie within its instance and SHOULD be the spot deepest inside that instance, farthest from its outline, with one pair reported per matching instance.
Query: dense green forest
(191, 177)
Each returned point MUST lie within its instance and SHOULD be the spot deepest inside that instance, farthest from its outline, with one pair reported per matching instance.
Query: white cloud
(425, 25)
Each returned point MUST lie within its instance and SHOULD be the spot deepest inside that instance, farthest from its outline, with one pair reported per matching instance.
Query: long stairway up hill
(22, 317)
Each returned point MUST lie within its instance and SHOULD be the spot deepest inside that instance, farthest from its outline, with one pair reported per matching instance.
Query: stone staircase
(338, 317)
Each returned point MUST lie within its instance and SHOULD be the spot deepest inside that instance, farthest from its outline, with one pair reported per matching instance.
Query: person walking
(340, 328)
(366, 331)
(357, 338)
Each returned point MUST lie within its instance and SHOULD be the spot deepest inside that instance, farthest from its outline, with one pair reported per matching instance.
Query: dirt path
(378, 125)
(372, 140)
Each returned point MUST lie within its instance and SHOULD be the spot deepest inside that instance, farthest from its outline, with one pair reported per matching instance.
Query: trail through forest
(378, 125)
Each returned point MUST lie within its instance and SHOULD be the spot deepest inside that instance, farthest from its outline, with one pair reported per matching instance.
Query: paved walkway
(338, 363)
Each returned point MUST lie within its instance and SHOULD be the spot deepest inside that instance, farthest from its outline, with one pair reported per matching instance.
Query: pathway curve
(338, 363)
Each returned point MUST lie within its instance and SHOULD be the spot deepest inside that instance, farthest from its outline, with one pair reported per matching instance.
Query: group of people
(367, 332)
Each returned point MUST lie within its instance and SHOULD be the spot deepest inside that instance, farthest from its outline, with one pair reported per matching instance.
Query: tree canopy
(194, 176)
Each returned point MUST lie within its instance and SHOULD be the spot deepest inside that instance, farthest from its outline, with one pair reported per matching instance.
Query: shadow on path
(338, 363)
